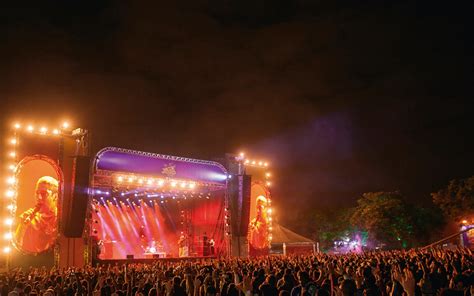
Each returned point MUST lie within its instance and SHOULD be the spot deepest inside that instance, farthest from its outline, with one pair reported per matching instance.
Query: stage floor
(150, 260)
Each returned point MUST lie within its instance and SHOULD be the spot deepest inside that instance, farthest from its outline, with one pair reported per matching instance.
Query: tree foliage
(457, 199)
(386, 217)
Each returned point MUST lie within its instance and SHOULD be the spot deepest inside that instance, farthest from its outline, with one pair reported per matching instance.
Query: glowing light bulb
(161, 182)
(269, 183)
(268, 175)
(265, 164)
(13, 141)
(65, 125)
(6, 250)
(192, 185)
(17, 125)
(12, 154)
(9, 221)
(130, 179)
(150, 181)
(173, 184)
(55, 131)
(242, 154)
(43, 130)
(247, 161)
(253, 162)
(464, 221)
(8, 236)
(30, 128)
(260, 163)
(10, 207)
(11, 167)
(10, 193)
(120, 179)
(140, 181)
(183, 184)
(269, 211)
(11, 180)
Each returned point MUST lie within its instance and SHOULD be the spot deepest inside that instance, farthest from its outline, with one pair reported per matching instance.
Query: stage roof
(114, 159)
(282, 235)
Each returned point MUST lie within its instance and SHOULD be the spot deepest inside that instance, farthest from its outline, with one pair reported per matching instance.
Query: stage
(149, 206)
(67, 207)
(151, 261)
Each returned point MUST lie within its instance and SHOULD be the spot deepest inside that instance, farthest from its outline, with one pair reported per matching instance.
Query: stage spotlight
(6, 250)
(55, 131)
(17, 125)
(13, 141)
(43, 130)
(65, 125)
(30, 128)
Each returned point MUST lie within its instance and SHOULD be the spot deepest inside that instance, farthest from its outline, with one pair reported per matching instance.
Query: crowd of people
(390, 273)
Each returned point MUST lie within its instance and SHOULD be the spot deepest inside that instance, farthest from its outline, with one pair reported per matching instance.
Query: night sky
(341, 97)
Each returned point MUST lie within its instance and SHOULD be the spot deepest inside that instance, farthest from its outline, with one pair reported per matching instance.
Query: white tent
(285, 238)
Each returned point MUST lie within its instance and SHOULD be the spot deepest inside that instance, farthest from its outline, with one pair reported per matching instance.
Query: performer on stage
(37, 230)
(212, 247)
(183, 246)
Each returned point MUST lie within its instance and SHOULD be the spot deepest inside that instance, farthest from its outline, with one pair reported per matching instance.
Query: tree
(457, 199)
(386, 218)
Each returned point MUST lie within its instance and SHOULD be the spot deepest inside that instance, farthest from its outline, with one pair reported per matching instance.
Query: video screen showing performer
(36, 229)
(259, 226)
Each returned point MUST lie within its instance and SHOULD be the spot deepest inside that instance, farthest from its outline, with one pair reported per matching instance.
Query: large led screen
(35, 226)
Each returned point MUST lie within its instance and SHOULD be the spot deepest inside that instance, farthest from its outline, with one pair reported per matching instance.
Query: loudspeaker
(129, 256)
(75, 203)
(239, 201)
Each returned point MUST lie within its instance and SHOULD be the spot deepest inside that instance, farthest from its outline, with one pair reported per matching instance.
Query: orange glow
(30, 128)
(464, 221)
(65, 125)
(13, 141)
(17, 125)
